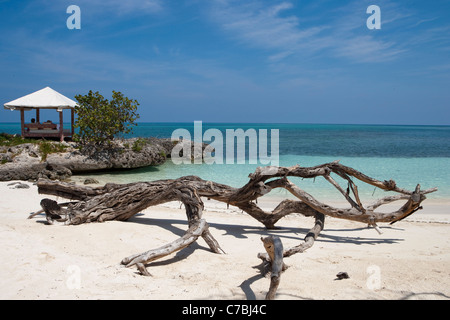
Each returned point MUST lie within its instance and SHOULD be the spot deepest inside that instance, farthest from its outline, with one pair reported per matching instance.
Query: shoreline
(41, 261)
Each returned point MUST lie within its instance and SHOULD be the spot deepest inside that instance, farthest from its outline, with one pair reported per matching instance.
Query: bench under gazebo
(46, 98)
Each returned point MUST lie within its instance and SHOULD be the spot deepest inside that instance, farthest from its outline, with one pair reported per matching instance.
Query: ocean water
(407, 154)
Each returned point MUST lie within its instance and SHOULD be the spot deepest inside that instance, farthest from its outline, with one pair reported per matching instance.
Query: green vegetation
(100, 120)
(138, 145)
(45, 147)
(9, 140)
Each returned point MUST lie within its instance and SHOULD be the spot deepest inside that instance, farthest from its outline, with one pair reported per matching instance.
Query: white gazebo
(46, 98)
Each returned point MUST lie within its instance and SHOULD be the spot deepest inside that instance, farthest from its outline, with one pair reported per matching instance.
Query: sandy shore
(410, 260)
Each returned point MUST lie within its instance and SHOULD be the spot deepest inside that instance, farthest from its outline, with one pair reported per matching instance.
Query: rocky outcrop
(124, 154)
(25, 162)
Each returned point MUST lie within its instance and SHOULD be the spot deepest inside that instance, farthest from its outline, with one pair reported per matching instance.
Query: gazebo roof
(46, 98)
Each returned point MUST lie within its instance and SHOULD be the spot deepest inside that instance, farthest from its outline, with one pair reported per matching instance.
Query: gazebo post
(37, 115)
(61, 136)
(72, 113)
(22, 122)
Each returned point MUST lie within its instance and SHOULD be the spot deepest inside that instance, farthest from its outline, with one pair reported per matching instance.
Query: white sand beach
(410, 260)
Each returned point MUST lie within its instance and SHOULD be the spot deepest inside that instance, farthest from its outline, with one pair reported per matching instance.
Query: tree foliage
(100, 120)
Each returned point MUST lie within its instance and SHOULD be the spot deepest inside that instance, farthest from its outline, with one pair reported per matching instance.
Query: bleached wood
(122, 201)
(274, 249)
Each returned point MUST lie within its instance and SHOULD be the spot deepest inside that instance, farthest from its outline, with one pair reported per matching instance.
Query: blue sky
(236, 61)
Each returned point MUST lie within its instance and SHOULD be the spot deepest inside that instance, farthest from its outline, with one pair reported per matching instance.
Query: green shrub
(138, 145)
(46, 147)
(10, 140)
(100, 120)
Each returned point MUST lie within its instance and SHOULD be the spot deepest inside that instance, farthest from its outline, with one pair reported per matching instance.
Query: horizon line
(299, 123)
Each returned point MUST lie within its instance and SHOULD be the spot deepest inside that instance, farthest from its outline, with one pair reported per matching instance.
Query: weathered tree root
(53, 211)
(197, 229)
(274, 249)
(122, 201)
(308, 242)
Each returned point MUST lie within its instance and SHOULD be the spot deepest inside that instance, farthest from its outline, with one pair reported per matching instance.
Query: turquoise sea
(406, 154)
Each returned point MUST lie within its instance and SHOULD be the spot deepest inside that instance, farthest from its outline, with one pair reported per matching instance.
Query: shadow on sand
(179, 226)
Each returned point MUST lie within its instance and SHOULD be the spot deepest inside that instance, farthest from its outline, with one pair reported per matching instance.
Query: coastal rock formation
(124, 154)
(28, 162)
(20, 162)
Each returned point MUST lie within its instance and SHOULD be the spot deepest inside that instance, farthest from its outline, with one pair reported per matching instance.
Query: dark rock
(55, 172)
(90, 181)
(22, 186)
(19, 185)
(342, 275)
(25, 170)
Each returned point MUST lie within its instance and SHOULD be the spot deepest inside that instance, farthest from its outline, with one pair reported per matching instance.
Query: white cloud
(117, 7)
(131, 6)
(263, 27)
(367, 49)
(282, 32)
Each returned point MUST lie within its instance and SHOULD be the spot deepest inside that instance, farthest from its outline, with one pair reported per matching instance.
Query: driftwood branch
(122, 201)
(274, 249)
(197, 229)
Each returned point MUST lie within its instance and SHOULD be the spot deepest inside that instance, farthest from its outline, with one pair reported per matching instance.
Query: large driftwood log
(122, 201)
